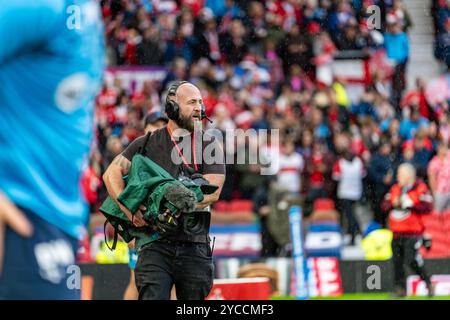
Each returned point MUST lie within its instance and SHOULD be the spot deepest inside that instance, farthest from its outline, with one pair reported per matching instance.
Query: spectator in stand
(369, 139)
(444, 127)
(317, 174)
(318, 121)
(153, 121)
(416, 99)
(298, 80)
(113, 148)
(439, 177)
(350, 38)
(91, 184)
(339, 18)
(442, 15)
(381, 176)
(207, 37)
(442, 45)
(405, 203)
(291, 165)
(306, 144)
(233, 43)
(349, 172)
(423, 151)
(412, 123)
(399, 12)
(366, 106)
(149, 51)
(275, 31)
(257, 25)
(397, 48)
(274, 65)
(116, 41)
(132, 41)
(250, 178)
(296, 49)
(434, 8)
(177, 71)
(217, 7)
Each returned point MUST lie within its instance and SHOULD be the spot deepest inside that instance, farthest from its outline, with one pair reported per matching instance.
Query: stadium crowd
(263, 65)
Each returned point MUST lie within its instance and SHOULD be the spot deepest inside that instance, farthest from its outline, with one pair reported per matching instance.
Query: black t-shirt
(160, 148)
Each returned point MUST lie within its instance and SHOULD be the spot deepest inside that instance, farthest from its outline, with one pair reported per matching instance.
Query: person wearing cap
(154, 121)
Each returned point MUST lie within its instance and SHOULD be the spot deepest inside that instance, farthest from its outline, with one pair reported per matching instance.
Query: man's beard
(186, 123)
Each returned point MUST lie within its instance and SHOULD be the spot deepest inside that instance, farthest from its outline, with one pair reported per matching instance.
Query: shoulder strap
(115, 237)
(143, 149)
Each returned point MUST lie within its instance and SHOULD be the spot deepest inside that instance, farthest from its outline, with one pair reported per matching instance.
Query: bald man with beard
(178, 258)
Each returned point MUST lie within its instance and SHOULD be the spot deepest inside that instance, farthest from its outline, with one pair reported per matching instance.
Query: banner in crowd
(237, 240)
(133, 78)
(324, 279)
(417, 287)
(324, 276)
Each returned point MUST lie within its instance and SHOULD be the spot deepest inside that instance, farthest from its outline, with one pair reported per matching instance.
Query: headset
(173, 109)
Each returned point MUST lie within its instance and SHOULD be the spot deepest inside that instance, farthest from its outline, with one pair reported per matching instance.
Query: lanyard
(180, 153)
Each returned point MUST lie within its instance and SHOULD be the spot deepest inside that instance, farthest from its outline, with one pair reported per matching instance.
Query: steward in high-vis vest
(405, 204)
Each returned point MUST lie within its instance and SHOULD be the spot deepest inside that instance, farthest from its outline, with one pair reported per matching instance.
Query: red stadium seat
(221, 206)
(241, 206)
(323, 204)
(438, 226)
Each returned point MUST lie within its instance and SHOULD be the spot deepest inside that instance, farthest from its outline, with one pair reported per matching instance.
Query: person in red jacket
(406, 202)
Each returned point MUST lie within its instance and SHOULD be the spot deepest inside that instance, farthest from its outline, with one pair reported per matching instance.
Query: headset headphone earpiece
(172, 108)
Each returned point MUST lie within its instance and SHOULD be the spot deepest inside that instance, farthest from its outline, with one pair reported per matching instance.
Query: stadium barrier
(108, 281)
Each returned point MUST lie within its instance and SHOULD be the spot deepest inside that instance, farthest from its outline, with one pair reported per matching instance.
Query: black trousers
(187, 265)
(378, 215)
(346, 208)
(398, 85)
(405, 252)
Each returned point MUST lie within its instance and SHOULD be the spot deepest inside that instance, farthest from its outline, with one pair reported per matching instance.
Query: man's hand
(387, 179)
(138, 217)
(214, 179)
(396, 203)
(406, 202)
(11, 216)
(264, 211)
(132, 244)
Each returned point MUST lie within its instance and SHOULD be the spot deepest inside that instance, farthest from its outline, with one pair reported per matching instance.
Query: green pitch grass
(367, 296)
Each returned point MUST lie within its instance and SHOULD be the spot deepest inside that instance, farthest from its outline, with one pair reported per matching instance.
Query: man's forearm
(114, 185)
(207, 201)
